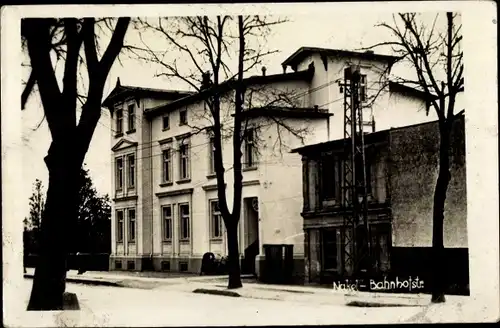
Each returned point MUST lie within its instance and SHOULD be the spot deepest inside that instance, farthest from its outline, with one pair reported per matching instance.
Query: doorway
(251, 237)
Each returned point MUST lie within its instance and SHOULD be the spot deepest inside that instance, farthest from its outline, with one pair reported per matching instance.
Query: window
(184, 216)
(167, 223)
(183, 117)
(183, 266)
(380, 243)
(165, 265)
(211, 154)
(119, 121)
(131, 170)
(250, 150)
(131, 118)
(131, 224)
(119, 173)
(330, 249)
(216, 220)
(166, 122)
(119, 226)
(360, 172)
(184, 160)
(328, 181)
(362, 88)
(167, 165)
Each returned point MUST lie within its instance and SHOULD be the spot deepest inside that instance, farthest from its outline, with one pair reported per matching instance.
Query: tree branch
(38, 37)
(115, 45)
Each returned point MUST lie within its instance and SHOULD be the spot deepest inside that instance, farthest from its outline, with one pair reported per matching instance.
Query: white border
(479, 32)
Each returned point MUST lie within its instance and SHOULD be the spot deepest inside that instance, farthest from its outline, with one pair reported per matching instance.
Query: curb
(85, 281)
(216, 292)
(377, 304)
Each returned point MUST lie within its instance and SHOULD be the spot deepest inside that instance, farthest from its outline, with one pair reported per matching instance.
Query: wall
(126, 249)
(414, 169)
(326, 93)
(390, 109)
(295, 93)
(201, 181)
(414, 173)
(142, 248)
(281, 192)
(402, 110)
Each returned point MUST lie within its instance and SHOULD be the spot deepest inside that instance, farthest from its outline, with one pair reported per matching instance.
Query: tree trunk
(56, 230)
(444, 176)
(234, 256)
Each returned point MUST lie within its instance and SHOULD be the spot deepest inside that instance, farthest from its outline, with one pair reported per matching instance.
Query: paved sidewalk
(128, 279)
(217, 285)
(322, 296)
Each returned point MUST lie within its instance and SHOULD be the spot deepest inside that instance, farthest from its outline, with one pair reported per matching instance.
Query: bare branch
(115, 45)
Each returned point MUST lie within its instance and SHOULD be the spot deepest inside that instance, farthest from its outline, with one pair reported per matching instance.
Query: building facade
(401, 173)
(165, 214)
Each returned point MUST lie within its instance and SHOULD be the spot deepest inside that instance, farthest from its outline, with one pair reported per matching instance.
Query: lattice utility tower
(354, 191)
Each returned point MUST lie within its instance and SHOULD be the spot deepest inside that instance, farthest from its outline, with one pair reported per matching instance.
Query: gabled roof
(299, 55)
(120, 92)
(305, 75)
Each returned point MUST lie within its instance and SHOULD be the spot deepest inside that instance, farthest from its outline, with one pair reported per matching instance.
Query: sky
(332, 30)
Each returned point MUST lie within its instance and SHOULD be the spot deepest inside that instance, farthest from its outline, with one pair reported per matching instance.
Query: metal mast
(354, 191)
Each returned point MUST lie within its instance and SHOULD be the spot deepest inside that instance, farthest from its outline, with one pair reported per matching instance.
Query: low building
(401, 173)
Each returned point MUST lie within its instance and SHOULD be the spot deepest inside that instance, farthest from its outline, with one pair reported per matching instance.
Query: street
(119, 306)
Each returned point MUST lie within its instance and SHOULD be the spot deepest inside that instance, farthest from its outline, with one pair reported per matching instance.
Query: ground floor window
(167, 222)
(333, 248)
(216, 220)
(184, 218)
(131, 225)
(380, 244)
(119, 226)
(330, 254)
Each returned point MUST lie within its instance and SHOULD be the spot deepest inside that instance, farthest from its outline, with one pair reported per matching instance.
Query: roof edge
(228, 85)
(120, 91)
(342, 52)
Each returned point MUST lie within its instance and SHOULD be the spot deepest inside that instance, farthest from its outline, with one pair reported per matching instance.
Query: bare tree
(208, 45)
(436, 58)
(70, 138)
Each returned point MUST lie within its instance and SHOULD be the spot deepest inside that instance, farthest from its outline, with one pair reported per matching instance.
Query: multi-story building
(401, 174)
(165, 214)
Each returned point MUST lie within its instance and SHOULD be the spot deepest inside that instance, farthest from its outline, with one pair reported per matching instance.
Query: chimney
(316, 107)
(263, 70)
(118, 84)
(284, 68)
(206, 82)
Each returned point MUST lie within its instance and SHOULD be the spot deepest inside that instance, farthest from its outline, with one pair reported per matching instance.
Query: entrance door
(331, 254)
(380, 244)
(251, 240)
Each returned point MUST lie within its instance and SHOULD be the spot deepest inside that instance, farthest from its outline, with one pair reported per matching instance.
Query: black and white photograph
(250, 164)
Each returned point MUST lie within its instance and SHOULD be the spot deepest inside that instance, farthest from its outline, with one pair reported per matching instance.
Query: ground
(142, 301)
(119, 306)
